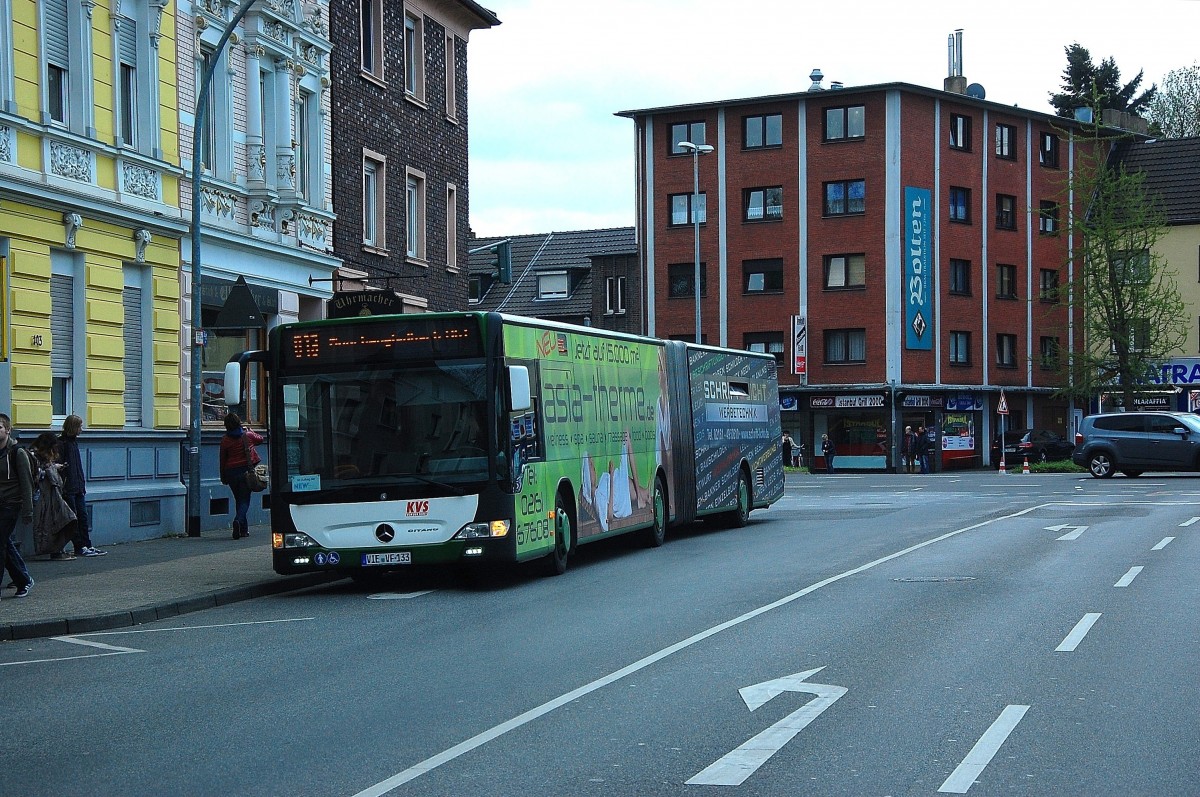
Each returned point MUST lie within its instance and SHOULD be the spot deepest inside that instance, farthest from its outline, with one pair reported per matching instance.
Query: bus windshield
(386, 426)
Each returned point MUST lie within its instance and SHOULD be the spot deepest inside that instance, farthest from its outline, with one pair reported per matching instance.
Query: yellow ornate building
(90, 230)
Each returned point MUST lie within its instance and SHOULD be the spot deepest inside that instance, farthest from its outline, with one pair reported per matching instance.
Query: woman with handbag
(53, 518)
(237, 457)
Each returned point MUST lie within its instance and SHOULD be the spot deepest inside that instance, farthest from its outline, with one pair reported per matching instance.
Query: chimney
(837, 84)
(955, 82)
(816, 78)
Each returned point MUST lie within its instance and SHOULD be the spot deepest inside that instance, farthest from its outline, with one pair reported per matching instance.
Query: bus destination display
(365, 344)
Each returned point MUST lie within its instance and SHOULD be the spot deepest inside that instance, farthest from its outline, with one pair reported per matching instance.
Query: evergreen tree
(1083, 80)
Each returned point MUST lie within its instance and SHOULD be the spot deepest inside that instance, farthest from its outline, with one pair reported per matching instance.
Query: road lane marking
(734, 767)
(397, 596)
(1165, 542)
(185, 628)
(1189, 522)
(965, 775)
(1070, 535)
(1128, 578)
(1072, 640)
(496, 731)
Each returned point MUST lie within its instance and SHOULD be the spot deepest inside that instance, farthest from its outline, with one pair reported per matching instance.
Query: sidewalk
(139, 582)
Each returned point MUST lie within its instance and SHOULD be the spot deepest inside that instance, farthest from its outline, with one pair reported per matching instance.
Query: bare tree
(1133, 315)
(1175, 108)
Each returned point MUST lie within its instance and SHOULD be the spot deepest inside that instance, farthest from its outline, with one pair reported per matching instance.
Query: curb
(148, 614)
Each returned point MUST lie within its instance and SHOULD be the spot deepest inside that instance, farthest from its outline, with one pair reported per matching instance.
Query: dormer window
(553, 285)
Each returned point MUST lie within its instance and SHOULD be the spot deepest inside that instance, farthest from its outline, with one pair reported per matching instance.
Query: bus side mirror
(233, 384)
(518, 388)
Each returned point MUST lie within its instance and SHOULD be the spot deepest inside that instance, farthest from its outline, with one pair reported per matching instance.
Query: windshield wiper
(435, 483)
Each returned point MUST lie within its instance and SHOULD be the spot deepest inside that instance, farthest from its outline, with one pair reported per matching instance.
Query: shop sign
(857, 402)
(916, 401)
(963, 402)
(915, 253)
(800, 346)
(1152, 402)
(1177, 371)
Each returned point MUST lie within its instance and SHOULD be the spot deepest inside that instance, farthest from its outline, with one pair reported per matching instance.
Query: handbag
(257, 477)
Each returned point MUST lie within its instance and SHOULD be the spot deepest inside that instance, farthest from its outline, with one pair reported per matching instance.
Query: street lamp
(697, 150)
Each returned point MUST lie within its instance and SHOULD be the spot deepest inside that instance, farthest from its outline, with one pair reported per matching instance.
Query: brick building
(587, 277)
(896, 247)
(399, 73)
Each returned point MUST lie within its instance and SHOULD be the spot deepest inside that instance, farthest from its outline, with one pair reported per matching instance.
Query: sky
(547, 153)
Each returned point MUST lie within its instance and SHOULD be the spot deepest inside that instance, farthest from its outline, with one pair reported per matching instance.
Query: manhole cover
(935, 579)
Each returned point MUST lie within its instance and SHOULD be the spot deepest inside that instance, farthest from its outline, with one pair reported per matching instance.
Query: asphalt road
(867, 635)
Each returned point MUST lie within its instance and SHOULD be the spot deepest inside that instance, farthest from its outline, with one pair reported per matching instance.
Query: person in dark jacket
(829, 451)
(237, 455)
(16, 502)
(75, 486)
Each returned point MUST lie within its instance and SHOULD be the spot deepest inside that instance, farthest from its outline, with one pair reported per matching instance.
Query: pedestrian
(798, 452)
(16, 502)
(922, 449)
(75, 487)
(237, 455)
(829, 451)
(908, 449)
(53, 518)
(787, 449)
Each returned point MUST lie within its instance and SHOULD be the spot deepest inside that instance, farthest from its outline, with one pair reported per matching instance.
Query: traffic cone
(1025, 467)
(1003, 472)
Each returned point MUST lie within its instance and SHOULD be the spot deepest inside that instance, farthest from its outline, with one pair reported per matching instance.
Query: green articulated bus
(401, 440)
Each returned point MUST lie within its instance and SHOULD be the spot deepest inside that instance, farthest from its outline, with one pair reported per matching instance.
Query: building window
(766, 342)
(763, 131)
(477, 287)
(762, 276)
(451, 79)
(764, 204)
(1006, 142)
(1048, 217)
(845, 271)
(208, 135)
(960, 277)
(127, 106)
(1139, 335)
(682, 209)
(1048, 350)
(1048, 150)
(303, 146)
(414, 56)
(847, 122)
(451, 226)
(133, 336)
(960, 204)
(553, 285)
(681, 277)
(960, 132)
(1006, 281)
(614, 296)
(846, 198)
(1006, 212)
(374, 200)
(1132, 268)
(414, 213)
(62, 335)
(960, 348)
(371, 32)
(1006, 351)
(691, 132)
(845, 346)
(1048, 285)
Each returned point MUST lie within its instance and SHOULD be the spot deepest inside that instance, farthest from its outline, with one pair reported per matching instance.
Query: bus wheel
(740, 516)
(556, 560)
(656, 535)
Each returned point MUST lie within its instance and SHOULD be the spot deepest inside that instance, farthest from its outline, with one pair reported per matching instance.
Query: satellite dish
(975, 90)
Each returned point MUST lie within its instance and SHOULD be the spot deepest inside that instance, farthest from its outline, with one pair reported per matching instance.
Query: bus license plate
(399, 558)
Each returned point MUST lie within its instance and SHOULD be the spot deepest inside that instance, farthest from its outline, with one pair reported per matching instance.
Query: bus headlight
(297, 540)
(475, 531)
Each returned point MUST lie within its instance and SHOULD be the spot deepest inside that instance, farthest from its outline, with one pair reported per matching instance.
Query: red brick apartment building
(899, 249)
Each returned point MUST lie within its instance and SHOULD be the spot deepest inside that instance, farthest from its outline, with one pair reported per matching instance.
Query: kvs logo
(417, 509)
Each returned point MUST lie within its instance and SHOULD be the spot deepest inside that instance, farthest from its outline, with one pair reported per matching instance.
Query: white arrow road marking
(1128, 578)
(1165, 542)
(1189, 521)
(1077, 634)
(965, 774)
(112, 650)
(1072, 535)
(733, 768)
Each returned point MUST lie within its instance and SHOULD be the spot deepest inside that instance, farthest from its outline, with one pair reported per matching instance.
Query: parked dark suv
(1040, 445)
(1135, 442)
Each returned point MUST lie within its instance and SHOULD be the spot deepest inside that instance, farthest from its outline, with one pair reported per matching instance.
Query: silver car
(1135, 442)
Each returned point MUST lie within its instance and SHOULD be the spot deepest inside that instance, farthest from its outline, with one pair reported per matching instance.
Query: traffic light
(503, 262)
